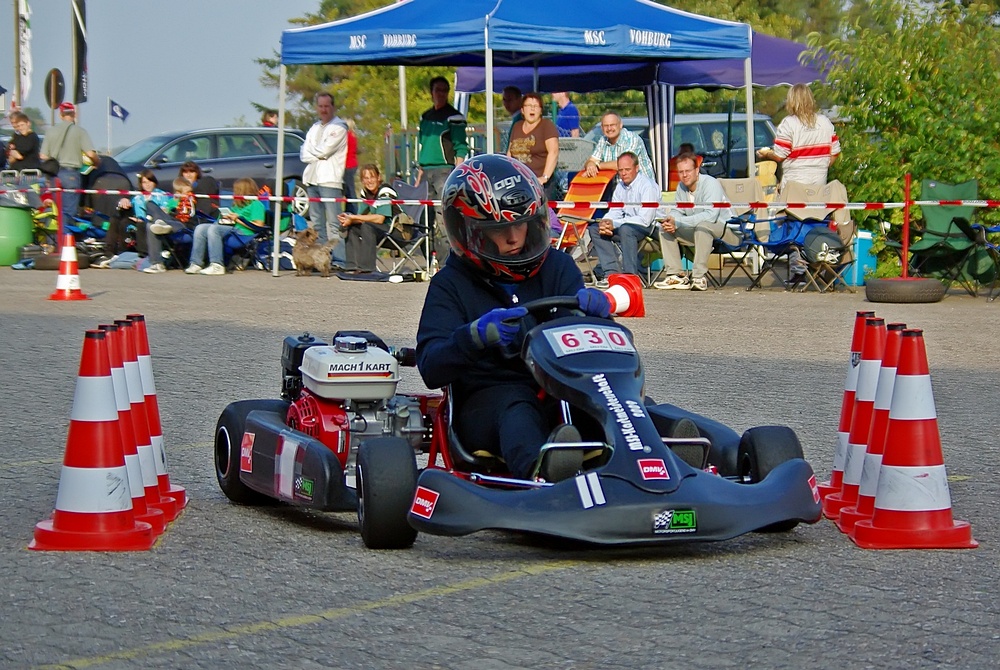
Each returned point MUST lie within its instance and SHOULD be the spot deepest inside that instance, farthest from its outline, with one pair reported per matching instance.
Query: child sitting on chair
(242, 218)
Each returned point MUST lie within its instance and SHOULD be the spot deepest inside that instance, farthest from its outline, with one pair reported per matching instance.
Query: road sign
(55, 88)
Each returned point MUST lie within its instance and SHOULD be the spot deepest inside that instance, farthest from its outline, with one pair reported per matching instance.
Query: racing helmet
(497, 217)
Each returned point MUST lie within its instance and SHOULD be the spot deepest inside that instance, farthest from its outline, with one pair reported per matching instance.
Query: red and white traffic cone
(912, 501)
(68, 281)
(94, 505)
(865, 506)
(154, 517)
(140, 423)
(625, 294)
(141, 341)
(846, 408)
(872, 349)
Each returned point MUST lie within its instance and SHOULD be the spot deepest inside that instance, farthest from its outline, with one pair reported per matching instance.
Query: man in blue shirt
(568, 117)
(627, 225)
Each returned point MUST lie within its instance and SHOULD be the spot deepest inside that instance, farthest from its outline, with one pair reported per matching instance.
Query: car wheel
(911, 290)
(228, 438)
(386, 480)
(761, 450)
(300, 199)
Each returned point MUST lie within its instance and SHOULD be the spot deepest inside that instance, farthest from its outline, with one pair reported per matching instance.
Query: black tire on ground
(910, 290)
(228, 437)
(386, 479)
(51, 261)
(300, 205)
(761, 450)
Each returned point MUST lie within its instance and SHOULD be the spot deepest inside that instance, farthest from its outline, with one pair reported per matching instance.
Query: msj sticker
(423, 502)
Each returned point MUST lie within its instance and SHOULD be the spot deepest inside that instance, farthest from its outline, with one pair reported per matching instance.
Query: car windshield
(142, 150)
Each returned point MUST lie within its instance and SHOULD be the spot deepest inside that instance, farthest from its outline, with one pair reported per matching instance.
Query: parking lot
(229, 587)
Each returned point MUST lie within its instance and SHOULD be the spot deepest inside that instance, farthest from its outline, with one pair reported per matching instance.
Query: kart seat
(464, 460)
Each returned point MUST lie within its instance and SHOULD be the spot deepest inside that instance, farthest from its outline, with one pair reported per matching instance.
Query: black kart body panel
(293, 467)
(600, 508)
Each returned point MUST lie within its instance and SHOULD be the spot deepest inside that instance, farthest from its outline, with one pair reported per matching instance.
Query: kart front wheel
(228, 438)
(761, 450)
(386, 479)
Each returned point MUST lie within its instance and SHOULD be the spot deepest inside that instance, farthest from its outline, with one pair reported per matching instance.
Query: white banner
(24, 44)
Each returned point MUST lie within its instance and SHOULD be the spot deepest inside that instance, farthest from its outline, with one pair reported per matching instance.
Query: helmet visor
(514, 244)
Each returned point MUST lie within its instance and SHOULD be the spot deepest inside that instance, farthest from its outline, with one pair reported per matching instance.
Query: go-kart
(342, 439)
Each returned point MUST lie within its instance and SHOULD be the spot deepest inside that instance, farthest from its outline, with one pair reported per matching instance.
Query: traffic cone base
(48, 537)
(625, 295)
(912, 508)
(68, 279)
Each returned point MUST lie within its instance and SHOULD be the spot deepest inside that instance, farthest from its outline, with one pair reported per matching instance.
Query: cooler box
(864, 260)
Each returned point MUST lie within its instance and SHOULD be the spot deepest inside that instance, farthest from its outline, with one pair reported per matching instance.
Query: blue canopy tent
(512, 32)
(774, 62)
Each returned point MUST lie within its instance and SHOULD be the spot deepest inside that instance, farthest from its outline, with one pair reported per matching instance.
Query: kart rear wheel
(228, 437)
(761, 450)
(386, 479)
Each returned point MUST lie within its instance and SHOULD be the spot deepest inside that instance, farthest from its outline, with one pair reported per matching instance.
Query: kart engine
(344, 393)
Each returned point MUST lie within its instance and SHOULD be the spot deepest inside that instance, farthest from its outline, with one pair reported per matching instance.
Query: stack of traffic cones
(865, 505)
(912, 508)
(625, 294)
(846, 408)
(141, 340)
(872, 348)
(114, 493)
(68, 281)
(94, 505)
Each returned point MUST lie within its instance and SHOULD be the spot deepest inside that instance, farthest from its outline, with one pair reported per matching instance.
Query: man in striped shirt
(616, 141)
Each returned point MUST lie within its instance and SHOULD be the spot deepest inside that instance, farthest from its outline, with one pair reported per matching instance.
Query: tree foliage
(916, 85)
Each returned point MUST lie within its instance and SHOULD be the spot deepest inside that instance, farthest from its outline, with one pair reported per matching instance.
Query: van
(708, 133)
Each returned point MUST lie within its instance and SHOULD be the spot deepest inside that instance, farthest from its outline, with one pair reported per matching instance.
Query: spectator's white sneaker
(155, 269)
(192, 269)
(214, 269)
(699, 284)
(678, 282)
(158, 227)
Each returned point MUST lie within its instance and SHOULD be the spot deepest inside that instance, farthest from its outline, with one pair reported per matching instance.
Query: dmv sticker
(584, 338)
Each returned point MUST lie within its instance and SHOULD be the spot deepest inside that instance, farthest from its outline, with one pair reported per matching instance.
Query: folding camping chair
(943, 249)
(739, 244)
(788, 230)
(408, 242)
(574, 238)
(828, 249)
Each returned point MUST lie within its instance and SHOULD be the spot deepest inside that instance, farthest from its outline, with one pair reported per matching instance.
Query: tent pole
(278, 172)
(489, 92)
(748, 79)
(402, 97)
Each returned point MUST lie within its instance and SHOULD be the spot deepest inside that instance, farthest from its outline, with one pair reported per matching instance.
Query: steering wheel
(540, 311)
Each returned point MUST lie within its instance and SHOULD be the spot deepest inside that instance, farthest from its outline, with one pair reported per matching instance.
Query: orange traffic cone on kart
(140, 423)
(141, 341)
(93, 509)
(68, 280)
(912, 500)
(143, 512)
(846, 407)
(872, 348)
(865, 505)
(625, 294)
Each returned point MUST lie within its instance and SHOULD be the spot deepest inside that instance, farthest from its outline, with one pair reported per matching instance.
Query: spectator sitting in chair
(616, 141)
(364, 229)
(627, 225)
(672, 178)
(181, 210)
(244, 214)
(206, 188)
(698, 226)
(133, 212)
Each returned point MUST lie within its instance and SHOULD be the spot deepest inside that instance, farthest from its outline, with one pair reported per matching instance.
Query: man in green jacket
(442, 147)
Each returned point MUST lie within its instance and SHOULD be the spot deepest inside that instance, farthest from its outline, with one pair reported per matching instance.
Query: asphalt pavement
(234, 587)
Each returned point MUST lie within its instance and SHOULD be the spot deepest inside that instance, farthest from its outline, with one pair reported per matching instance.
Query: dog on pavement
(309, 256)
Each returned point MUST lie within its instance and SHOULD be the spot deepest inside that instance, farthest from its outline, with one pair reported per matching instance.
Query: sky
(174, 65)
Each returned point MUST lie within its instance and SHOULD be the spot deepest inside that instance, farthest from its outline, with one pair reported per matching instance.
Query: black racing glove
(496, 327)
